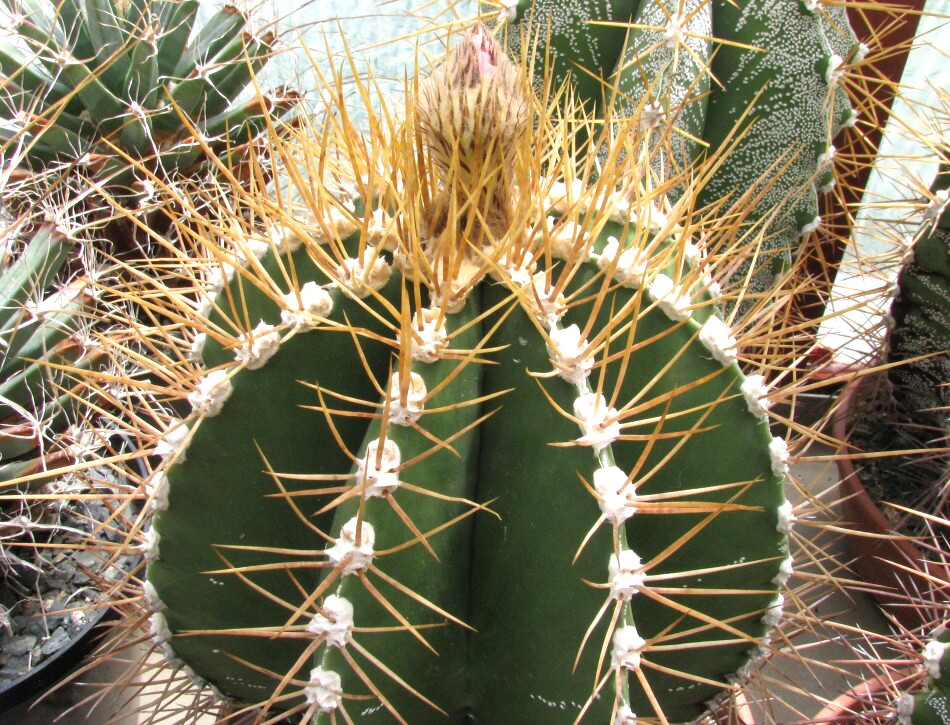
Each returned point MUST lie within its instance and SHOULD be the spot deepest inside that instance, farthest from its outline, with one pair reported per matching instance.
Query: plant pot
(900, 575)
(22, 691)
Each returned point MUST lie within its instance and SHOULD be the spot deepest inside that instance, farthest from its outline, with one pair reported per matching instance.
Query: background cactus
(487, 407)
(778, 99)
(43, 321)
(96, 85)
(930, 707)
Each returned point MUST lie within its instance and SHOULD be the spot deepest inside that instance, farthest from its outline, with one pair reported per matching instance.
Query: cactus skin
(777, 102)
(257, 508)
(921, 324)
(88, 77)
(41, 329)
(932, 706)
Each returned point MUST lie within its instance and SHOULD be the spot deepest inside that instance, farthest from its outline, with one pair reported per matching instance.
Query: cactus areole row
(472, 446)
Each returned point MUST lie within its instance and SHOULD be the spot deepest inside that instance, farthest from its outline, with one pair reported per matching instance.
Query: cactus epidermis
(475, 447)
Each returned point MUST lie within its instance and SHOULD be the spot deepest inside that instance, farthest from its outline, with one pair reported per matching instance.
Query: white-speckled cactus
(762, 83)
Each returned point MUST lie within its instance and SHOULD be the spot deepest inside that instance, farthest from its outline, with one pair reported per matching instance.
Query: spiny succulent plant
(97, 84)
(468, 434)
(931, 706)
(763, 83)
(42, 334)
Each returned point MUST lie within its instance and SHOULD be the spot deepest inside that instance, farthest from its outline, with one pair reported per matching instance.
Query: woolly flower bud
(475, 101)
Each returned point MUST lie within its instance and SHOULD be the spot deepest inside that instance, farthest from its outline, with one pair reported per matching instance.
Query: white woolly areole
(158, 628)
(519, 273)
(302, 309)
(754, 390)
(673, 300)
(376, 471)
(378, 230)
(347, 553)
(325, 689)
(196, 350)
(826, 158)
(547, 305)
(785, 570)
(835, 71)
(157, 486)
(362, 276)
(212, 393)
(174, 442)
(152, 600)
(625, 716)
(564, 236)
(773, 615)
(652, 116)
(630, 269)
(627, 645)
(716, 337)
(562, 197)
(692, 254)
(673, 34)
(610, 484)
(810, 227)
(936, 206)
(933, 653)
(905, 709)
(284, 239)
(217, 277)
(598, 422)
(429, 337)
(713, 288)
(626, 575)
(408, 411)
(335, 623)
(509, 9)
(778, 452)
(656, 218)
(258, 346)
(150, 549)
(786, 519)
(569, 356)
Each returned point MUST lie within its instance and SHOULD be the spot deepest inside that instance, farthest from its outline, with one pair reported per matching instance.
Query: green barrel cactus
(98, 84)
(762, 82)
(931, 706)
(468, 439)
(45, 348)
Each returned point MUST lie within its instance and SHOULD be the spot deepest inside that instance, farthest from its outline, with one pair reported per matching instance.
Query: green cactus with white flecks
(931, 706)
(763, 81)
(468, 439)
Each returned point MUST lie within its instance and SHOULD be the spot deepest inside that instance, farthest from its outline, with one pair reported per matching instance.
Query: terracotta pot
(871, 696)
(896, 568)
